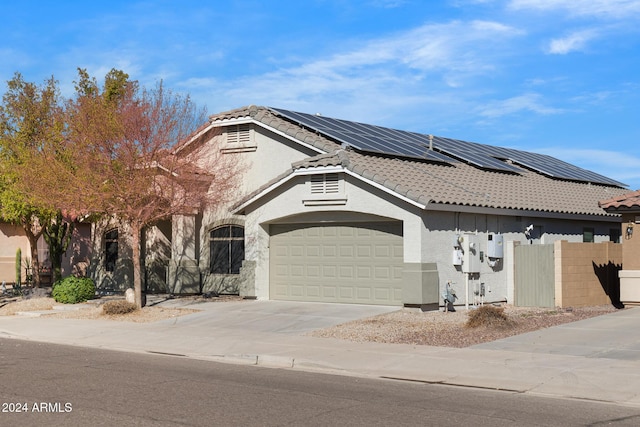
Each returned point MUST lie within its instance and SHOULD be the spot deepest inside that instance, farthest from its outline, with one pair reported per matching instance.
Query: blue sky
(558, 77)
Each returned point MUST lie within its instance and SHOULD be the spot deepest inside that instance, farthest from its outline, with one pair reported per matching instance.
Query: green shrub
(118, 307)
(71, 290)
(488, 316)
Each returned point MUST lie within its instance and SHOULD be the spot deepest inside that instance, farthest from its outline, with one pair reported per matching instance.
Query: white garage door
(348, 263)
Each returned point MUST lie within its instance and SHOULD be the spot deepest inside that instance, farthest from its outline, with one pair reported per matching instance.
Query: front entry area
(359, 263)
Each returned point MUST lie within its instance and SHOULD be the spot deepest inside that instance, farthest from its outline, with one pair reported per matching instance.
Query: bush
(118, 307)
(488, 316)
(71, 290)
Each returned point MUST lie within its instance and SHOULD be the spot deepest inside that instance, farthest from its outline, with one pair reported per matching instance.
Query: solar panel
(368, 138)
(381, 140)
(473, 154)
(556, 168)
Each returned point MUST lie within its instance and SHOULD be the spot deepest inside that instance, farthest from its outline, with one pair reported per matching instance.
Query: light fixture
(629, 232)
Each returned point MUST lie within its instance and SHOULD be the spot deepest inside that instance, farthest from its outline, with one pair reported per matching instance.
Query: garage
(358, 263)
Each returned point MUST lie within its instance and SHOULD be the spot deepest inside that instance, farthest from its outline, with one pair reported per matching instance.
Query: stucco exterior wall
(266, 156)
(631, 243)
(12, 237)
(122, 277)
(630, 275)
(428, 234)
(443, 226)
(285, 205)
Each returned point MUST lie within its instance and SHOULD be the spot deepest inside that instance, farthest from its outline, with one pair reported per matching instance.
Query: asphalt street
(58, 385)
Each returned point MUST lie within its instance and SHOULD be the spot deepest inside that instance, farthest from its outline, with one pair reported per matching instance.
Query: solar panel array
(381, 140)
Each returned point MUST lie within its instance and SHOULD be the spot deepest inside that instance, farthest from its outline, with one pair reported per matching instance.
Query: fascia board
(445, 207)
(327, 169)
(319, 170)
(336, 169)
(386, 190)
(194, 138)
(264, 192)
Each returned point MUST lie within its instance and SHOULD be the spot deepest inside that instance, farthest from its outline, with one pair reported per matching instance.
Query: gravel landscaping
(405, 326)
(437, 328)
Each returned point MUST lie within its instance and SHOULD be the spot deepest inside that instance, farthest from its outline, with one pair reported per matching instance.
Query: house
(13, 237)
(338, 211)
(628, 207)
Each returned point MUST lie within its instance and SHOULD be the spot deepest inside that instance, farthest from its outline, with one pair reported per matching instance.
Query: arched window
(110, 249)
(226, 245)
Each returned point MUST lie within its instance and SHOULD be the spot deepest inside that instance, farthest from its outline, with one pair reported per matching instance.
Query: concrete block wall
(587, 273)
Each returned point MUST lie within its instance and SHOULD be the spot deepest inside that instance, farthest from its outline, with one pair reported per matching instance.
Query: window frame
(226, 249)
(111, 249)
(588, 235)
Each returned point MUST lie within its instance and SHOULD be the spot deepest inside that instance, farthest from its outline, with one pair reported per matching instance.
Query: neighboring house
(13, 237)
(628, 206)
(338, 211)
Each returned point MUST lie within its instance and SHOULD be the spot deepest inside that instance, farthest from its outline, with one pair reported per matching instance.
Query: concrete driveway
(279, 317)
(611, 336)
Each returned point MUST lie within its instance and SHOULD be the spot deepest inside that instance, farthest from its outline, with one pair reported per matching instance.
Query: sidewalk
(596, 359)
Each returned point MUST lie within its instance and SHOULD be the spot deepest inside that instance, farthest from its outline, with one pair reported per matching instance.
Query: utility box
(495, 246)
(470, 254)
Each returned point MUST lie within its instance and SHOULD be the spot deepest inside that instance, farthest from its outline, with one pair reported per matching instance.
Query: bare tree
(118, 160)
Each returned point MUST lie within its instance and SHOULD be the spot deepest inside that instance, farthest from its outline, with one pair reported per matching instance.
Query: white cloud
(594, 8)
(528, 102)
(411, 65)
(573, 42)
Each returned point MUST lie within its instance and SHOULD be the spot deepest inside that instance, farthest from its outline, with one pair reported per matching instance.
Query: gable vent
(239, 134)
(327, 183)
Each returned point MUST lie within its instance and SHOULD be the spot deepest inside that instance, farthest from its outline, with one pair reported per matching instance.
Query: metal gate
(534, 276)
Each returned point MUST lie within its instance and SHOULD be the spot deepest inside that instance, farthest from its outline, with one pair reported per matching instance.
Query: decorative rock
(130, 295)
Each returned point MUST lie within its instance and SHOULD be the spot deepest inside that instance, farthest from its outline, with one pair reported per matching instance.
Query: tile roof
(445, 184)
(624, 201)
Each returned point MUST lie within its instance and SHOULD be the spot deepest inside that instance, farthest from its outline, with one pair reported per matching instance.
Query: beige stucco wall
(630, 275)
(285, 205)
(631, 244)
(267, 156)
(12, 237)
(428, 234)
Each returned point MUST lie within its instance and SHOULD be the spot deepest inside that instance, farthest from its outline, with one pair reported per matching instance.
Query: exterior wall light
(629, 232)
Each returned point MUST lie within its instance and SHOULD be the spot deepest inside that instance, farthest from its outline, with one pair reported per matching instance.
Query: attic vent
(239, 134)
(327, 183)
(240, 139)
(325, 189)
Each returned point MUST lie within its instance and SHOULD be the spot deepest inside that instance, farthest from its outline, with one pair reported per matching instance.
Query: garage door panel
(382, 294)
(346, 251)
(346, 272)
(364, 272)
(351, 263)
(382, 273)
(364, 294)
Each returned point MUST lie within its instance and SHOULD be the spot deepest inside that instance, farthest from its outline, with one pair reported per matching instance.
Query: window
(588, 235)
(226, 249)
(614, 235)
(110, 250)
